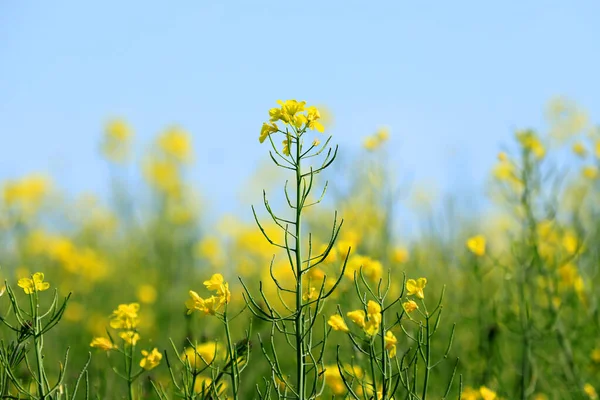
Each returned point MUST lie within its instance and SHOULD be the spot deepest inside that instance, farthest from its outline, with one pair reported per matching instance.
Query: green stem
(232, 357)
(299, 321)
(383, 356)
(427, 356)
(37, 343)
(129, 363)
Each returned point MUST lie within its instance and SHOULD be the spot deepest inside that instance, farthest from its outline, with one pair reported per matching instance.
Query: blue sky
(452, 79)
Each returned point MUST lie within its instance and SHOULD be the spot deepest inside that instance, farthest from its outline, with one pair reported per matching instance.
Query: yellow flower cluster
(26, 194)
(150, 359)
(117, 140)
(375, 141)
(34, 284)
(213, 303)
(294, 114)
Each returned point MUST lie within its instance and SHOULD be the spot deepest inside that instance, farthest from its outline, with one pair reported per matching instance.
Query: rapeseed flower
(390, 343)
(125, 316)
(151, 359)
(476, 245)
(415, 287)
(102, 343)
(34, 284)
(337, 323)
(410, 306)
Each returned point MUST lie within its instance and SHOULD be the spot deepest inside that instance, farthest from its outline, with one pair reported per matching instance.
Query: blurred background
(451, 81)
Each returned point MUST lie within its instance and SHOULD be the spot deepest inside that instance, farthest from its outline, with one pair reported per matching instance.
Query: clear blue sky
(452, 79)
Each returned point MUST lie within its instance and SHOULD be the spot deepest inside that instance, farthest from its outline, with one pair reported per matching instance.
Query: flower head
(266, 130)
(130, 337)
(358, 317)
(125, 316)
(390, 343)
(34, 284)
(151, 359)
(337, 323)
(476, 245)
(410, 306)
(102, 343)
(415, 287)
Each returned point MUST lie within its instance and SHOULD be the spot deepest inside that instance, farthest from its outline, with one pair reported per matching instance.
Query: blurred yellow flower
(151, 359)
(286, 147)
(337, 323)
(102, 343)
(146, 294)
(415, 287)
(117, 137)
(202, 354)
(531, 142)
(590, 391)
(176, 143)
(401, 255)
(579, 149)
(27, 194)
(596, 355)
(487, 393)
(476, 245)
(590, 172)
(33, 284)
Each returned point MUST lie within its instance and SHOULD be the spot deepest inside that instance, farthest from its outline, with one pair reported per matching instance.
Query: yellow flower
(579, 149)
(102, 343)
(287, 112)
(151, 359)
(316, 142)
(215, 283)
(596, 355)
(130, 337)
(203, 385)
(373, 318)
(202, 354)
(33, 284)
(476, 245)
(416, 287)
(487, 394)
(125, 316)
(117, 135)
(312, 115)
(176, 143)
(358, 317)
(401, 255)
(286, 147)
(146, 294)
(266, 130)
(590, 172)
(469, 394)
(410, 306)
(531, 142)
(337, 323)
(390, 343)
(309, 294)
(590, 391)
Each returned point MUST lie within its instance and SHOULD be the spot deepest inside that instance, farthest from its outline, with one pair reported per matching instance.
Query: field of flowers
(318, 297)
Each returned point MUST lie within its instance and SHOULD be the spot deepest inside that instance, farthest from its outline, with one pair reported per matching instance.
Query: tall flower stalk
(300, 313)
